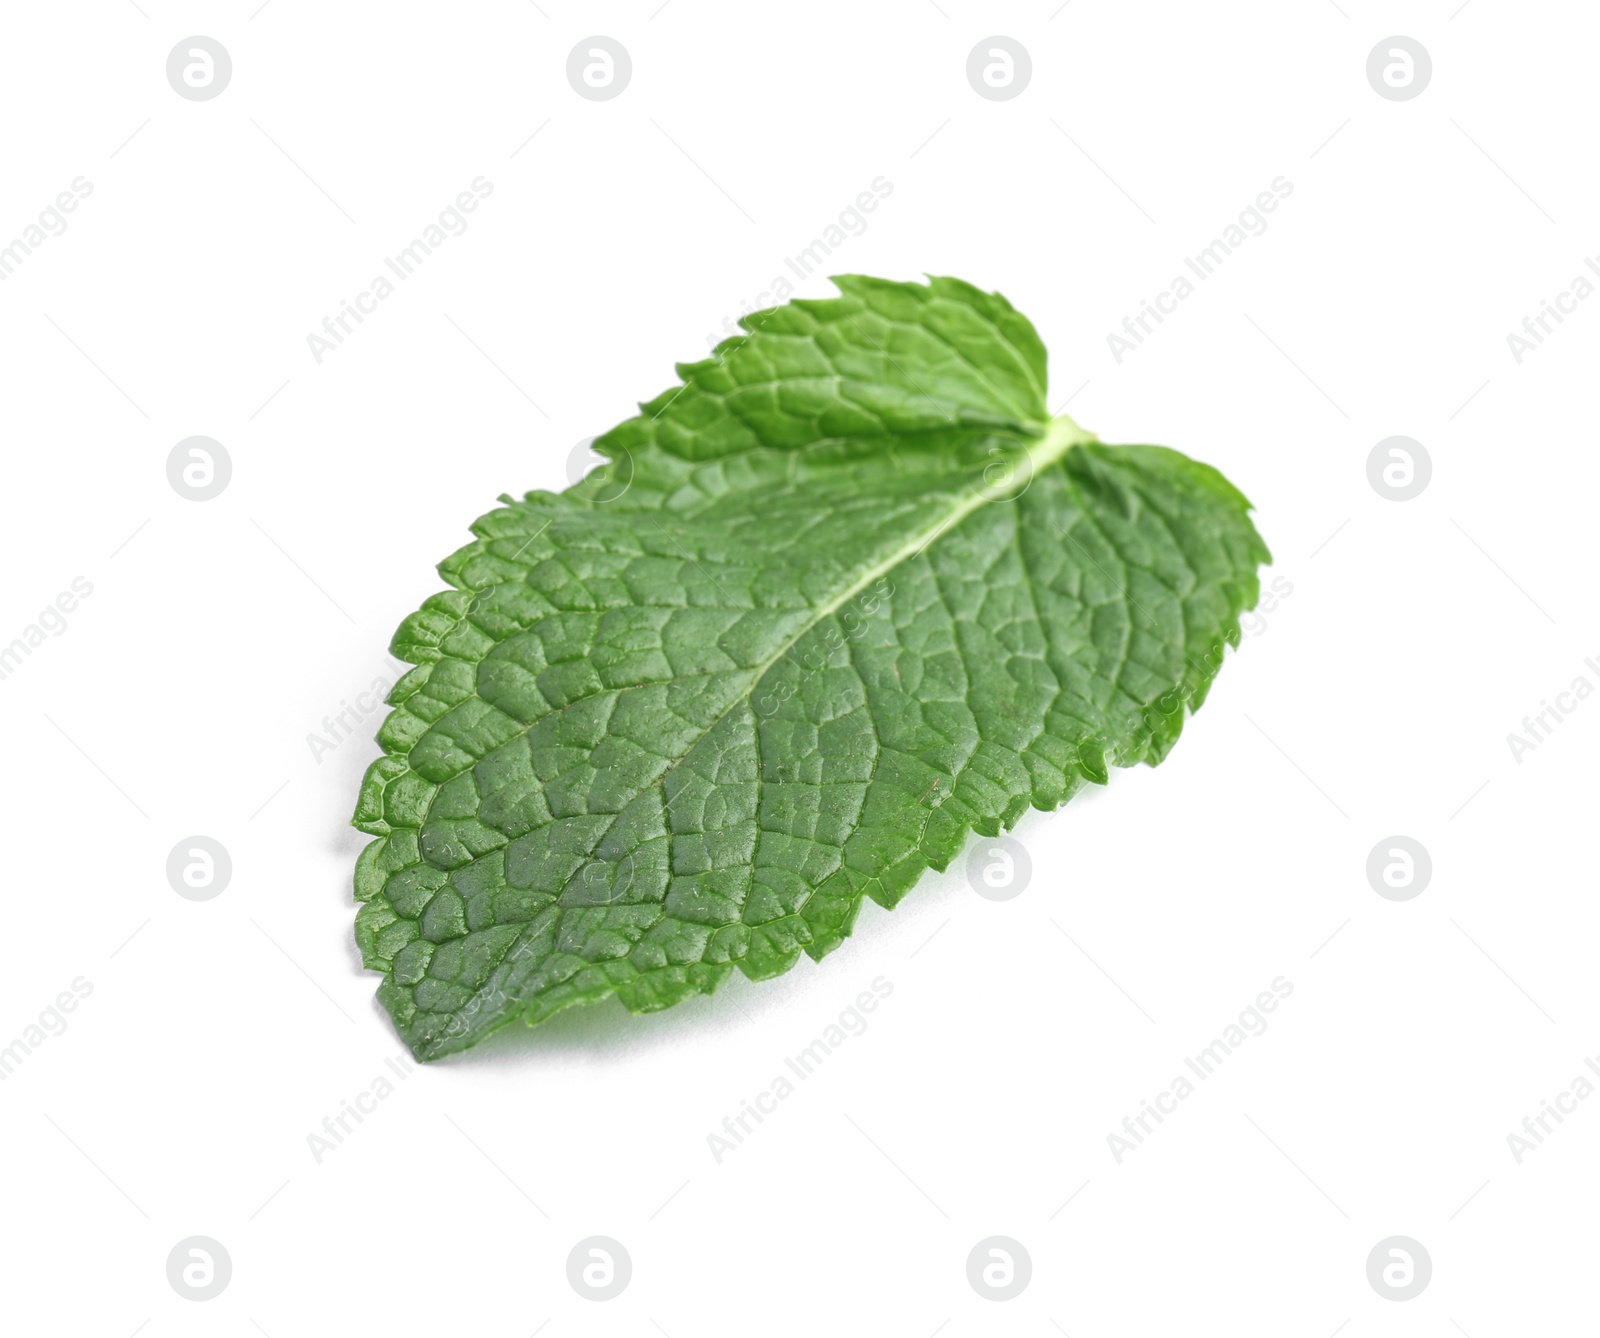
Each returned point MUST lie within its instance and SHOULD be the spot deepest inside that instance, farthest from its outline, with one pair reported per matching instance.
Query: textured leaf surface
(841, 598)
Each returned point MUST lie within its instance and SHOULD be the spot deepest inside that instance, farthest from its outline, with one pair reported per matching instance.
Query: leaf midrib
(1061, 435)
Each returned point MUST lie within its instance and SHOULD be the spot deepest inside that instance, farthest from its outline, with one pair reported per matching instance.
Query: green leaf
(844, 596)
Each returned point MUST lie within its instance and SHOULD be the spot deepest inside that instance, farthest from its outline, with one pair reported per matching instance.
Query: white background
(1373, 700)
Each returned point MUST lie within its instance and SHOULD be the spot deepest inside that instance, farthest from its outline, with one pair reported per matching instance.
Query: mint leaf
(843, 597)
